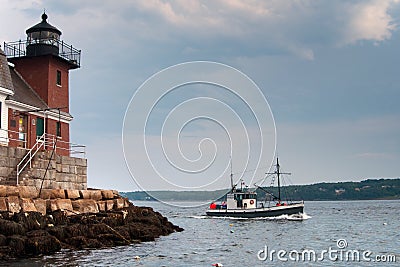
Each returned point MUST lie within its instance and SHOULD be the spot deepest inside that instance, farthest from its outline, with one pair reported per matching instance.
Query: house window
(58, 77)
(58, 130)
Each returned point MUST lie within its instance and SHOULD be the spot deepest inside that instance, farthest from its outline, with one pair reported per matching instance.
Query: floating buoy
(218, 264)
(231, 224)
(384, 223)
(232, 231)
(137, 257)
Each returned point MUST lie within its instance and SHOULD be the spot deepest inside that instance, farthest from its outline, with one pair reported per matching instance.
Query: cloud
(330, 90)
(370, 20)
(270, 27)
(195, 28)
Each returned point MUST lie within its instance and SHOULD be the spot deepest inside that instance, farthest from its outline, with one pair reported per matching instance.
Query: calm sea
(351, 233)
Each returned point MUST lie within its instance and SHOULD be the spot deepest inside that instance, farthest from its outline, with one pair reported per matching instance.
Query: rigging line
(290, 181)
(252, 170)
(285, 189)
(264, 179)
(295, 189)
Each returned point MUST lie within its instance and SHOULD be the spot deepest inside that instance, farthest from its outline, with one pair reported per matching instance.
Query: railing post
(32, 152)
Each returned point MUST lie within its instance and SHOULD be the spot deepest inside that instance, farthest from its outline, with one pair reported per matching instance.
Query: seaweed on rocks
(27, 234)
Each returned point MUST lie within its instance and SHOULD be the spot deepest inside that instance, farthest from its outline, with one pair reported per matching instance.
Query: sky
(315, 82)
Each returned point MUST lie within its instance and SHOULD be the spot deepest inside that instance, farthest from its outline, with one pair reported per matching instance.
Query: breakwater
(33, 224)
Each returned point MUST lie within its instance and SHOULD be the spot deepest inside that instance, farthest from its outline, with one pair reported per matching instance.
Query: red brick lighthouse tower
(43, 63)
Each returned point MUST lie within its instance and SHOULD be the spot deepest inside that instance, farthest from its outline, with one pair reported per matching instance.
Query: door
(22, 130)
(39, 127)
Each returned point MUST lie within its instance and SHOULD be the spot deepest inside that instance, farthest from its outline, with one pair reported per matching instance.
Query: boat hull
(257, 212)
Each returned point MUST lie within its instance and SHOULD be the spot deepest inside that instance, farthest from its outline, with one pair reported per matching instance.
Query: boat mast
(278, 174)
(231, 176)
(279, 180)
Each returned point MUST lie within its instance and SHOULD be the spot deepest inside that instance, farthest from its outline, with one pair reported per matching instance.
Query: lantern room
(42, 39)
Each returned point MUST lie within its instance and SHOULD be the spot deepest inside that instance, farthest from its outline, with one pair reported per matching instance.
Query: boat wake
(199, 217)
(293, 217)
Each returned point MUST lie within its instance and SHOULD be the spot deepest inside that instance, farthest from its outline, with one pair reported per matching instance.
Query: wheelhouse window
(58, 77)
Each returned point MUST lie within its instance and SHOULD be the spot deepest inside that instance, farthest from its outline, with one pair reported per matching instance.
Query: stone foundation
(63, 172)
(26, 198)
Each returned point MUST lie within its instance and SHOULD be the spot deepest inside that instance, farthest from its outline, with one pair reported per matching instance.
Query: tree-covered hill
(367, 189)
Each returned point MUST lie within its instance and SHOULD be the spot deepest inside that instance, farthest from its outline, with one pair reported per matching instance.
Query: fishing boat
(242, 202)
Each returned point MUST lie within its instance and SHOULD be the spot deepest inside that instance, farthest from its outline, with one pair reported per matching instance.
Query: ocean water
(335, 231)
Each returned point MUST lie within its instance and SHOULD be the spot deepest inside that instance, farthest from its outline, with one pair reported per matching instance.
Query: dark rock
(8, 228)
(123, 231)
(59, 217)
(37, 233)
(58, 232)
(27, 234)
(3, 240)
(30, 220)
(17, 244)
(42, 244)
(145, 212)
(5, 253)
(78, 242)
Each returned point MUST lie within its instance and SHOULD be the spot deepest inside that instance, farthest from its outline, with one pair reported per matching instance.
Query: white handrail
(35, 148)
(49, 139)
(72, 148)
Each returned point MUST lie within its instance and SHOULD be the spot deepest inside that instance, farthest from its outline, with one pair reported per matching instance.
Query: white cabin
(241, 200)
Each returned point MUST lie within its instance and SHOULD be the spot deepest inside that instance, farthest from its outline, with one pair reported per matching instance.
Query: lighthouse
(38, 105)
(35, 146)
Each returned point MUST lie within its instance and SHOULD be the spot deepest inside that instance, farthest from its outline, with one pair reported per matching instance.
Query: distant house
(340, 191)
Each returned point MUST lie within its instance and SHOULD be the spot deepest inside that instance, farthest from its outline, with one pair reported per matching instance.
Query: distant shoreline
(371, 189)
(210, 200)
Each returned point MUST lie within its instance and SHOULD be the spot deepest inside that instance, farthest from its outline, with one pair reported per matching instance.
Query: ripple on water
(235, 242)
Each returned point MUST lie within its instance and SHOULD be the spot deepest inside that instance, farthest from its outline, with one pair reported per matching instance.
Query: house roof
(23, 93)
(5, 77)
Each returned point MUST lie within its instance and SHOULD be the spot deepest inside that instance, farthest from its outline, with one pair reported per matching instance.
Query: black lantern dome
(43, 39)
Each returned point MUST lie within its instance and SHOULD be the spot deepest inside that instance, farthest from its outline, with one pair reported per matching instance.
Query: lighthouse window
(58, 130)
(58, 77)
